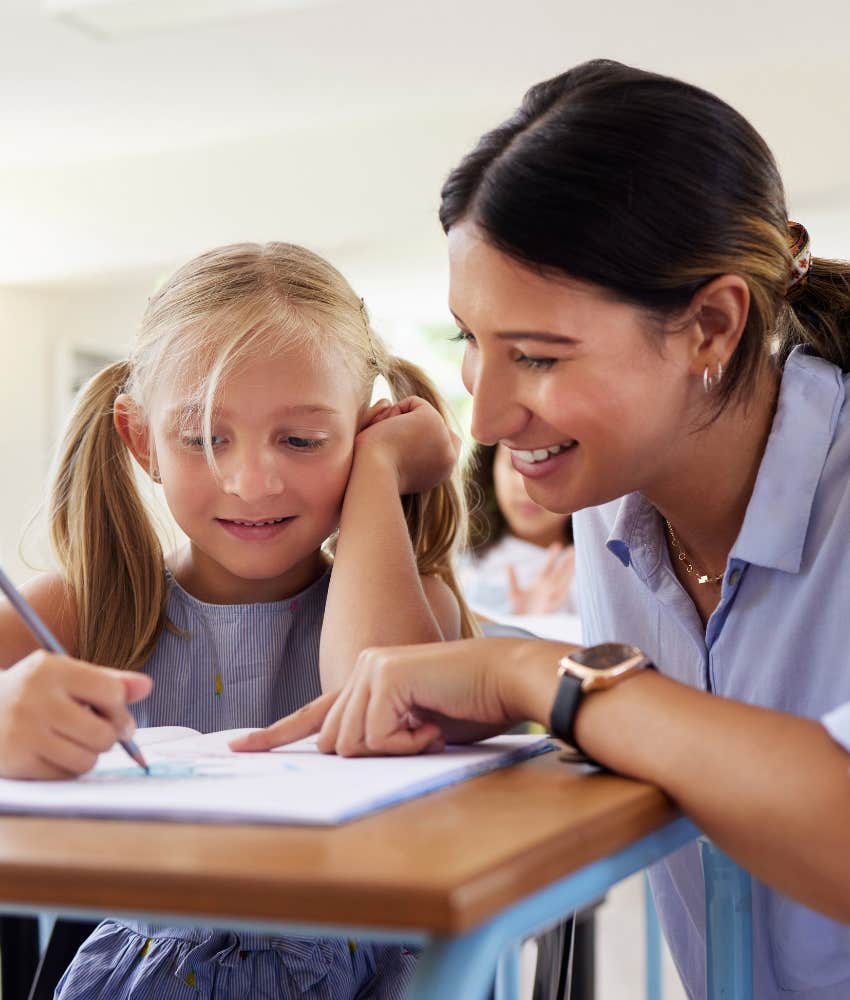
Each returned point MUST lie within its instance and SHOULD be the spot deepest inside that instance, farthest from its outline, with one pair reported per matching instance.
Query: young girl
(247, 397)
(521, 560)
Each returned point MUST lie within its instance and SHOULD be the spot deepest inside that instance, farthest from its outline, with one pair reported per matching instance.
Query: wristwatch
(594, 668)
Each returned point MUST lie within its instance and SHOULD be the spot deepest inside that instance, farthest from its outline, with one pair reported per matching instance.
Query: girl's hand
(410, 699)
(415, 439)
(550, 589)
(47, 726)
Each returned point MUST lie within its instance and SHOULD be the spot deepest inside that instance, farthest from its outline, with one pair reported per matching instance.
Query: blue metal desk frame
(462, 967)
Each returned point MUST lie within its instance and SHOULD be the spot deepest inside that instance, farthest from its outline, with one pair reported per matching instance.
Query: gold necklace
(684, 558)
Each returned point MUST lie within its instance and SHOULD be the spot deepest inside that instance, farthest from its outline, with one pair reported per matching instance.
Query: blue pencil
(49, 641)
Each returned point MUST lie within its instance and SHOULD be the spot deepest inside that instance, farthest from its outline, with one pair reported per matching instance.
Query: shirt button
(734, 577)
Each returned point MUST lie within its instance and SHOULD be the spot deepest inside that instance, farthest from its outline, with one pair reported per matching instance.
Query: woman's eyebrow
(541, 336)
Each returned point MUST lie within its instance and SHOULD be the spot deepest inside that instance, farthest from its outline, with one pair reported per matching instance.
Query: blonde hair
(225, 305)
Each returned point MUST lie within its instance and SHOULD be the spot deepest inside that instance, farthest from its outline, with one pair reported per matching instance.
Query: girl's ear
(134, 430)
(720, 315)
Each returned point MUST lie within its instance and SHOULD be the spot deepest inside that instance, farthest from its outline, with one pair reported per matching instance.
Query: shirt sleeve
(837, 724)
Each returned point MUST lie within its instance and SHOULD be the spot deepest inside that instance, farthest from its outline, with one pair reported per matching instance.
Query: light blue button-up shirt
(780, 637)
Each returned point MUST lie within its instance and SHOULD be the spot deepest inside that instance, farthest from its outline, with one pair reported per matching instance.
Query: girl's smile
(282, 439)
(256, 531)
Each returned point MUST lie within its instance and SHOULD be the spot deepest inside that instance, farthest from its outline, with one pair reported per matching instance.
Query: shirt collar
(625, 534)
(811, 395)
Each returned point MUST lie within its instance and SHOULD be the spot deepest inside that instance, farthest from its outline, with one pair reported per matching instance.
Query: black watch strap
(564, 709)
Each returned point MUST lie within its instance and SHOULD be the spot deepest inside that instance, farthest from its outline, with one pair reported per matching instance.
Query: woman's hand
(47, 726)
(549, 591)
(415, 439)
(410, 699)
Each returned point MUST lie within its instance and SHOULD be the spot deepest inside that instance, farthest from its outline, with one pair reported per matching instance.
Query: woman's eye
(462, 337)
(536, 364)
(303, 444)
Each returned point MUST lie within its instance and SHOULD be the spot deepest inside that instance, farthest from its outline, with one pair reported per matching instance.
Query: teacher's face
(590, 404)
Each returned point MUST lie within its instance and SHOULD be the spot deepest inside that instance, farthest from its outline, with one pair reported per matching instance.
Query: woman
(635, 302)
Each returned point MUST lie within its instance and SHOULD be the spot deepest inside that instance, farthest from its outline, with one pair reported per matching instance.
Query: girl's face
(282, 435)
(589, 405)
(525, 518)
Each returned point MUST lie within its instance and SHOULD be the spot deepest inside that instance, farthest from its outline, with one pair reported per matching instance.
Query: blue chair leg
(653, 944)
(728, 926)
(507, 974)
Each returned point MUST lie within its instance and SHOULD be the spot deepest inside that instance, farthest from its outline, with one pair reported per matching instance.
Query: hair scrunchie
(801, 254)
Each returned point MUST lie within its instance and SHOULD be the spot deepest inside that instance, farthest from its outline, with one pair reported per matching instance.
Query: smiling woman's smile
(568, 378)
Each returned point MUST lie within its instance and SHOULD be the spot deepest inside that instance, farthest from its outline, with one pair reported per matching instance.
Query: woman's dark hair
(649, 188)
(487, 523)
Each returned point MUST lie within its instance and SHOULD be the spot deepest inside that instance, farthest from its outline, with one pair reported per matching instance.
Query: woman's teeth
(541, 454)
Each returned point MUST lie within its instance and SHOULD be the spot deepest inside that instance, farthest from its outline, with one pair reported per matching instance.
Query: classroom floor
(620, 954)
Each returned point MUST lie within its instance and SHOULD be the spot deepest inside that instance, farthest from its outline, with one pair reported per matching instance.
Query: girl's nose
(253, 477)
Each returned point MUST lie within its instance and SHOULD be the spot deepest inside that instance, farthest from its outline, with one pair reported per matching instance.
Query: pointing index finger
(305, 722)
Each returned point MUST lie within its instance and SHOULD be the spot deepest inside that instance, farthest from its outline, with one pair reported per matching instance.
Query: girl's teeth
(259, 524)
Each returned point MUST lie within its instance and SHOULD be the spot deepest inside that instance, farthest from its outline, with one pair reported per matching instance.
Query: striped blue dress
(226, 667)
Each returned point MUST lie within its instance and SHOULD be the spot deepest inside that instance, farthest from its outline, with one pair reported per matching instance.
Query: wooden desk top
(440, 863)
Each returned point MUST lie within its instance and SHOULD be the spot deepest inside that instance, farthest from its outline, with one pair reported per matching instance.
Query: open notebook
(196, 777)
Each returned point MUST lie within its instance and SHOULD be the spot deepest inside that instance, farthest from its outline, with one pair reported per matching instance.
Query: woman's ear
(133, 429)
(720, 311)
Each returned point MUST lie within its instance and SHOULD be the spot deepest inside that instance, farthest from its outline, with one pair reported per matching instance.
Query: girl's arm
(47, 728)
(377, 596)
(49, 597)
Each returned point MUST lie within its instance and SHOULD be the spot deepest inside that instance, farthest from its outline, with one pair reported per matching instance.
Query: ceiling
(334, 124)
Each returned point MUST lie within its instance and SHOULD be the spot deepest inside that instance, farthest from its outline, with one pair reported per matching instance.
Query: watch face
(605, 655)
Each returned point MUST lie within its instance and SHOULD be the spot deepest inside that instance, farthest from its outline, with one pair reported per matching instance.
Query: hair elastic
(801, 253)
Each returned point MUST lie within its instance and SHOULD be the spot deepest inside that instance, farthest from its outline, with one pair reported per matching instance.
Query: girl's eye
(303, 444)
(197, 440)
(536, 364)
(462, 337)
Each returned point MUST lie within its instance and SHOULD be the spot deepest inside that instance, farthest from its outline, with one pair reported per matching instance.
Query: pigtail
(817, 314)
(487, 523)
(102, 536)
(436, 520)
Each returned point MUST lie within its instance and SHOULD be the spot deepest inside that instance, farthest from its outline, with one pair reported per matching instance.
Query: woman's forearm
(771, 789)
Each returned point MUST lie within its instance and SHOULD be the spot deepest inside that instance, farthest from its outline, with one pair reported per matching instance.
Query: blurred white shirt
(484, 581)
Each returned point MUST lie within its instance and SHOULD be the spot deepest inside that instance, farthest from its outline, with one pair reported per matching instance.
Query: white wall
(37, 329)
(24, 407)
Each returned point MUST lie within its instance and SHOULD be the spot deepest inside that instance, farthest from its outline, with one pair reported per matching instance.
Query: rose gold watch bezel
(601, 678)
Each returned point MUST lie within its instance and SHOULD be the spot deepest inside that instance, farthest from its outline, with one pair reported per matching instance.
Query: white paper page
(563, 626)
(199, 778)
(162, 734)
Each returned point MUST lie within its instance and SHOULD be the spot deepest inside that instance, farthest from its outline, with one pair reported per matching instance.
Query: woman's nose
(496, 412)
